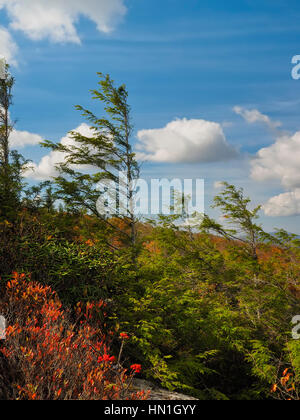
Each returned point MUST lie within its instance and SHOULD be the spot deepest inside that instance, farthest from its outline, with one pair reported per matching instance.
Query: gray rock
(158, 394)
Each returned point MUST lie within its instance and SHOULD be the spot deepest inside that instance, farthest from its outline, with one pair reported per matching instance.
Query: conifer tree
(12, 164)
(235, 209)
(91, 160)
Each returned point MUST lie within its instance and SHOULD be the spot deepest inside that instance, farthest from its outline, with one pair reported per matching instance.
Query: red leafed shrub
(54, 358)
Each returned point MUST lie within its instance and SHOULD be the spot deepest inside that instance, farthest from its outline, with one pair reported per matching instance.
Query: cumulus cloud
(56, 19)
(280, 161)
(254, 116)
(46, 168)
(185, 141)
(286, 204)
(20, 139)
(8, 48)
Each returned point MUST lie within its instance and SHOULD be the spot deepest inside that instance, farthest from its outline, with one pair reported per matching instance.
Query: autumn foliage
(55, 358)
(287, 386)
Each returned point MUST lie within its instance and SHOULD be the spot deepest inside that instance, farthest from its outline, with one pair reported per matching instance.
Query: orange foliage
(122, 229)
(285, 389)
(58, 359)
(152, 247)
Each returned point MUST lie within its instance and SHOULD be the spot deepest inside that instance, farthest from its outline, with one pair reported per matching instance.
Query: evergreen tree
(12, 164)
(235, 209)
(91, 161)
(40, 196)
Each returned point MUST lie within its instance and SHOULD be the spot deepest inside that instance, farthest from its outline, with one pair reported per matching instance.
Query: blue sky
(191, 61)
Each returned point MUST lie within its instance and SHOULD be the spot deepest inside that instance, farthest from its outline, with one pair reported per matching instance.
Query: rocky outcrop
(158, 394)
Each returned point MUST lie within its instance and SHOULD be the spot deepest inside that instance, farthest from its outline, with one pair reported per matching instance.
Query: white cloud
(185, 141)
(8, 48)
(254, 116)
(46, 168)
(280, 161)
(20, 139)
(286, 204)
(56, 19)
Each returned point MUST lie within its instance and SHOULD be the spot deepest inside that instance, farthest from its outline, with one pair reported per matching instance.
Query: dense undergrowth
(49, 357)
(201, 316)
(93, 295)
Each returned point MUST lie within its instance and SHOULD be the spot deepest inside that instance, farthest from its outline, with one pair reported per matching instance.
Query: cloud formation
(46, 168)
(280, 161)
(185, 141)
(286, 204)
(20, 139)
(254, 116)
(8, 48)
(56, 19)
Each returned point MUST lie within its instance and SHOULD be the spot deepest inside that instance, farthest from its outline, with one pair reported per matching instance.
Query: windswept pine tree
(91, 162)
(235, 209)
